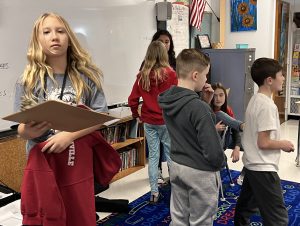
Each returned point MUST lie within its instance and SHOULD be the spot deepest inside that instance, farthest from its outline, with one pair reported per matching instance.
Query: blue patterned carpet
(143, 213)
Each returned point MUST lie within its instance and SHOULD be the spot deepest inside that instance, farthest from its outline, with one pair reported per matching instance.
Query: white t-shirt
(261, 115)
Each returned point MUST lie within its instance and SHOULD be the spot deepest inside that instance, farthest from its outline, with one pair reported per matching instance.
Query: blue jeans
(156, 134)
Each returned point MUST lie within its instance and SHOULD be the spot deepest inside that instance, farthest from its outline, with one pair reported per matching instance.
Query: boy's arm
(264, 142)
(236, 138)
(235, 154)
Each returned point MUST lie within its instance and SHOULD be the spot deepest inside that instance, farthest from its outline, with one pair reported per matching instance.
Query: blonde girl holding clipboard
(58, 68)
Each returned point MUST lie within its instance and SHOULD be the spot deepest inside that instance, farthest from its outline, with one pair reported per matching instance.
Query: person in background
(262, 145)
(225, 117)
(58, 68)
(232, 136)
(166, 38)
(155, 77)
(196, 151)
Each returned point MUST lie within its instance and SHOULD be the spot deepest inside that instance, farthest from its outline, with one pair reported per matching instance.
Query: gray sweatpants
(194, 196)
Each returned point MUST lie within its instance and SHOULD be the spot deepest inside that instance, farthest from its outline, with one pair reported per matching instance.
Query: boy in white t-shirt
(262, 146)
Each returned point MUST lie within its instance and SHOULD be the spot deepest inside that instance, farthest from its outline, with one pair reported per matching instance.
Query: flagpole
(190, 27)
(213, 11)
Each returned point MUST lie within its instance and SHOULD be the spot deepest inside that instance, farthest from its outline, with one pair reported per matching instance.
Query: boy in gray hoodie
(196, 152)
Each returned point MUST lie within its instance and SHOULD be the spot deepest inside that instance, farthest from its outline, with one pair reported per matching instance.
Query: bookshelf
(294, 78)
(13, 157)
(128, 139)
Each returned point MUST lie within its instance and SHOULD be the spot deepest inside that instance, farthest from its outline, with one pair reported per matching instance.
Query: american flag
(196, 12)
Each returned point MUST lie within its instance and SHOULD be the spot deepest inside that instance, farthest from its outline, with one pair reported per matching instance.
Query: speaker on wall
(163, 11)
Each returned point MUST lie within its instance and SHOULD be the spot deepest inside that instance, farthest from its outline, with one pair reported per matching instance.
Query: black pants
(263, 190)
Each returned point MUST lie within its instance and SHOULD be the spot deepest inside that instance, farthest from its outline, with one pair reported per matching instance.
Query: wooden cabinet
(127, 137)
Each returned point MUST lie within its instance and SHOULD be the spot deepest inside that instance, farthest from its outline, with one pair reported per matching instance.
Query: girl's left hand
(58, 142)
(220, 126)
(235, 155)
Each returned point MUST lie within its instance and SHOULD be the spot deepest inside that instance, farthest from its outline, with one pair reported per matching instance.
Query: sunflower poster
(243, 15)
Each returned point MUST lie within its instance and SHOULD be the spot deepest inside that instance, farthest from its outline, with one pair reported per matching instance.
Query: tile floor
(136, 184)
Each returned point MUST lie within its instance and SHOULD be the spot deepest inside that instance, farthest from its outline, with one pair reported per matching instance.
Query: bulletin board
(178, 26)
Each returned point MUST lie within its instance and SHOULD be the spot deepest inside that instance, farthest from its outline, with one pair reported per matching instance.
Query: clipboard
(62, 116)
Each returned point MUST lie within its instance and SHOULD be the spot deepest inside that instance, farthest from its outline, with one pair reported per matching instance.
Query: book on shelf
(120, 132)
(62, 116)
(133, 129)
(129, 157)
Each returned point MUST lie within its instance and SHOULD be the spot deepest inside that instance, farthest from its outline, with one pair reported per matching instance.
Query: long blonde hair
(78, 62)
(156, 59)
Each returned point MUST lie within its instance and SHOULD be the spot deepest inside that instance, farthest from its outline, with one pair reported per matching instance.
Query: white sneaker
(240, 179)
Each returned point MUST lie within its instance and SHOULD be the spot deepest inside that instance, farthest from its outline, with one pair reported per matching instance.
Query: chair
(226, 164)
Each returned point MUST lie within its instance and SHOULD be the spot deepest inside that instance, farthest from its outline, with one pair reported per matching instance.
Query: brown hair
(224, 106)
(263, 68)
(189, 60)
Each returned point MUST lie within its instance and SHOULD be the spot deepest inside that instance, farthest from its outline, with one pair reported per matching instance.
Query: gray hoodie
(191, 124)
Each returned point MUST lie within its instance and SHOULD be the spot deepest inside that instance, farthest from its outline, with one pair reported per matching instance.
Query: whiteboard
(115, 32)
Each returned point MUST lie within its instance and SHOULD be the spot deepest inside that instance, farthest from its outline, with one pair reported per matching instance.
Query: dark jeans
(263, 190)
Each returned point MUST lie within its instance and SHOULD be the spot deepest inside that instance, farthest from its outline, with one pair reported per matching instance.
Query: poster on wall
(243, 15)
(178, 26)
(282, 37)
(284, 21)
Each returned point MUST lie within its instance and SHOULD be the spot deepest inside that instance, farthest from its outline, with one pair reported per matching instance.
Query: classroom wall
(297, 6)
(115, 32)
(215, 5)
(215, 24)
(262, 39)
